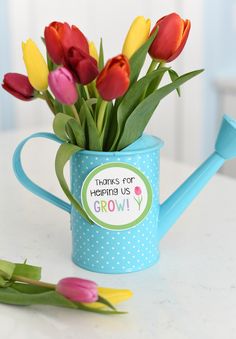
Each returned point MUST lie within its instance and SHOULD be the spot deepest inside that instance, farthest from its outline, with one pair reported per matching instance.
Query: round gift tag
(116, 196)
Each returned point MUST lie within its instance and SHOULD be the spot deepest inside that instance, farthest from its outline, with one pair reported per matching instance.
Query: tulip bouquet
(20, 284)
(97, 106)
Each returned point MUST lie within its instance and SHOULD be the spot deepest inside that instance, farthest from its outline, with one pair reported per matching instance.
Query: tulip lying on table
(20, 284)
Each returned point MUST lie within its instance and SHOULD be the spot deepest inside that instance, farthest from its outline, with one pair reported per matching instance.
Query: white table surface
(190, 293)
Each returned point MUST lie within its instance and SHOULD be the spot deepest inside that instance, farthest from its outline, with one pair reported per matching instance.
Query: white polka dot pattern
(101, 250)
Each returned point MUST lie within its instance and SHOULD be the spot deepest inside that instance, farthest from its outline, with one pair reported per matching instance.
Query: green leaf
(70, 133)
(139, 118)
(107, 126)
(82, 92)
(173, 76)
(6, 269)
(68, 129)
(28, 271)
(92, 131)
(13, 296)
(30, 289)
(77, 131)
(155, 83)
(132, 99)
(101, 56)
(106, 302)
(138, 58)
(64, 154)
(112, 131)
(98, 104)
(91, 102)
(59, 125)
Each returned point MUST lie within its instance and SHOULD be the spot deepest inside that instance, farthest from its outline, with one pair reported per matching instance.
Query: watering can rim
(143, 144)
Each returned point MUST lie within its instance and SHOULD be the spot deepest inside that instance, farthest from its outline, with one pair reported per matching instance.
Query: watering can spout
(175, 205)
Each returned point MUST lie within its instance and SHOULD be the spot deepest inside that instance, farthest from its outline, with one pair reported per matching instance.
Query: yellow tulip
(136, 36)
(36, 66)
(113, 295)
(93, 51)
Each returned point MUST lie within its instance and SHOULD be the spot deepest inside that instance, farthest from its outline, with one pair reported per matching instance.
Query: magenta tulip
(19, 86)
(63, 86)
(76, 289)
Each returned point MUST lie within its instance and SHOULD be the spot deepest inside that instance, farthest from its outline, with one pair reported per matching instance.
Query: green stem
(76, 115)
(161, 64)
(95, 91)
(38, 95)
(152, 66)
(86, 91)
(33, 282)
(150, 69)
(49, 101)
(101, 115)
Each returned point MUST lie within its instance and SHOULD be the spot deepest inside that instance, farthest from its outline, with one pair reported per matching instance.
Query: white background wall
(178, 121)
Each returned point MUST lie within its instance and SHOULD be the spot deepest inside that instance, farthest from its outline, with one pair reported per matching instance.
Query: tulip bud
(171, 37)
(62, 85)
(82, 65)
(113, 81)
(36, 66)
(93, 51)
(19, 86)
(136, 36)
(76, 289)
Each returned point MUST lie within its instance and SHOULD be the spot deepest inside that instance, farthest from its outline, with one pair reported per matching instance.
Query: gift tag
(116, 196)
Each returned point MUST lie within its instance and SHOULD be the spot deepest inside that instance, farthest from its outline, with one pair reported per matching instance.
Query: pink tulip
(76, 289)
(63, 86)
(137, 190)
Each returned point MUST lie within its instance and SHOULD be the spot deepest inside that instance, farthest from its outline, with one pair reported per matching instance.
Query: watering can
(119, 192)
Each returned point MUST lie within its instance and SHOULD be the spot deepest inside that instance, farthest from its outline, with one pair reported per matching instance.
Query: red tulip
(52, 35)
(83, 66)
(60, 37)
(73, 37)
(171, 37)
(19, 86)
(113, 81)
(62, 85)
(77, 289)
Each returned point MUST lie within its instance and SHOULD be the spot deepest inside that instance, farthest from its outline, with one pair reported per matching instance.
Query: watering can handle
(27, 182)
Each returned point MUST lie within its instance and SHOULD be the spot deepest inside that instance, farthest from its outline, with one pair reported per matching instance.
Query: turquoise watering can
(119, 192)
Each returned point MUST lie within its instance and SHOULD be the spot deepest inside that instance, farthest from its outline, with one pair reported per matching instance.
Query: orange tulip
(171, 37)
